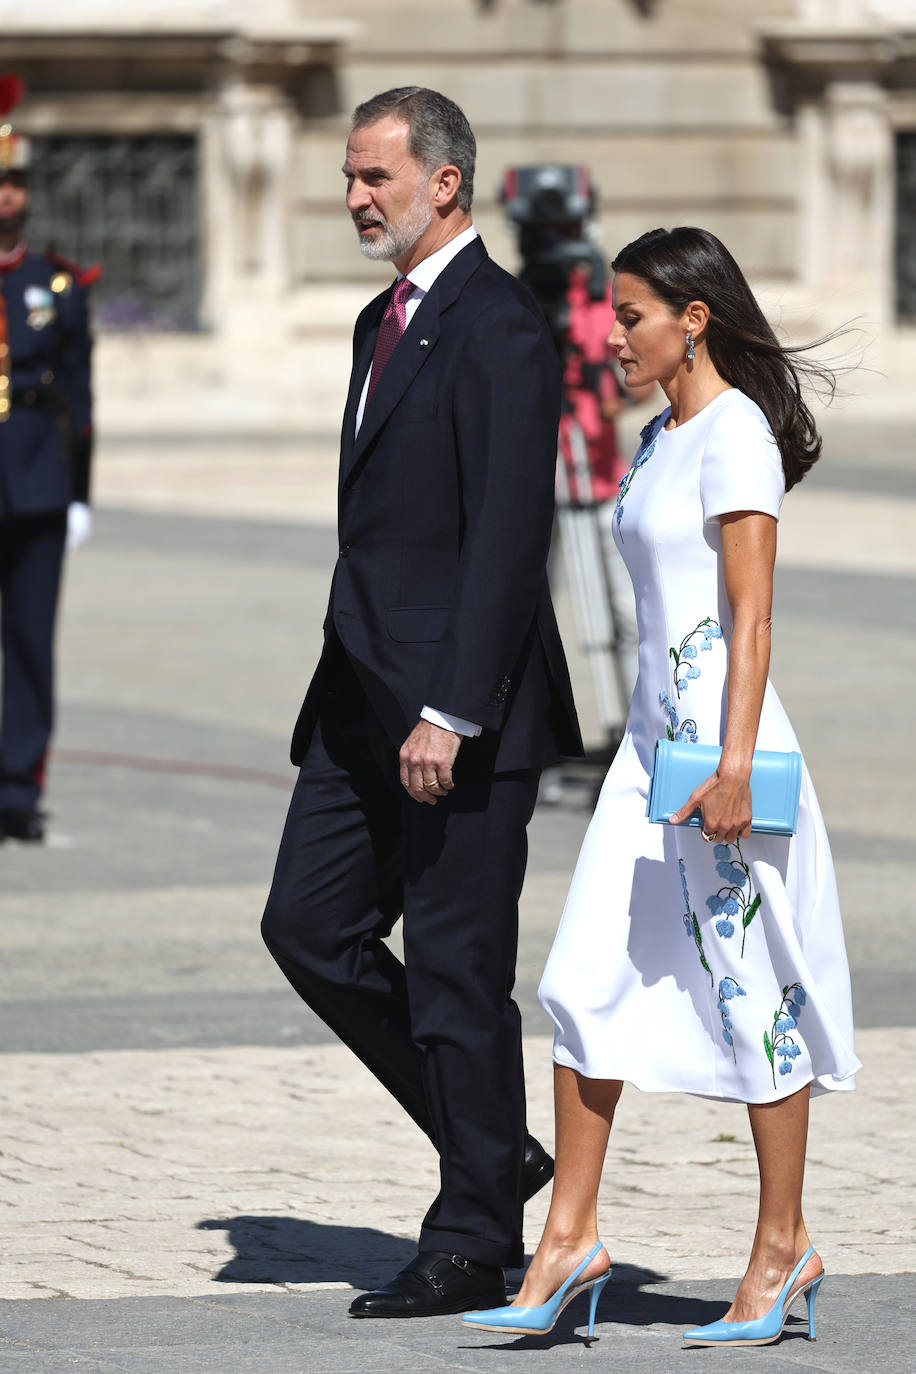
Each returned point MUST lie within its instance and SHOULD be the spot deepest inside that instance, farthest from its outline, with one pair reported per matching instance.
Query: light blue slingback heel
(537, 1321)
(768, 1327)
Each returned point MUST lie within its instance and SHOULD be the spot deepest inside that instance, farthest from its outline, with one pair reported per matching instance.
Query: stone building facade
(195, 147)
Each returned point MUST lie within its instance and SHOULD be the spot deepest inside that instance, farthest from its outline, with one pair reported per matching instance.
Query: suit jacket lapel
(411, 353)
(405, 363)
(363, 356)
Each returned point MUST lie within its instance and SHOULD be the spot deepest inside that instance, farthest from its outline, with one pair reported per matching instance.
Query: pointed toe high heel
(537, 1321)
(769, 1327)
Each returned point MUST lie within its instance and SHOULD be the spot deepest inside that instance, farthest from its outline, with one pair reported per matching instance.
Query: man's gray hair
(440, 135)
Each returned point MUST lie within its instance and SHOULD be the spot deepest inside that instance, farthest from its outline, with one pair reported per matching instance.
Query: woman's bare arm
(748, 557)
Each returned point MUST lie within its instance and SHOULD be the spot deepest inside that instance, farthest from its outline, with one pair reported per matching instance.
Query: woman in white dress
(708, 961)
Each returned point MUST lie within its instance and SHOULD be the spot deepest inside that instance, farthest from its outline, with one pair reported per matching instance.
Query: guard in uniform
(45, 448)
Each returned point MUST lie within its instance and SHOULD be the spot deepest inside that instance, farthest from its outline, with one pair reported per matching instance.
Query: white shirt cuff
(453, 723)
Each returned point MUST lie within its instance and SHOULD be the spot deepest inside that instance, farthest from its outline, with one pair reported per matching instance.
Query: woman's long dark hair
(683, 265)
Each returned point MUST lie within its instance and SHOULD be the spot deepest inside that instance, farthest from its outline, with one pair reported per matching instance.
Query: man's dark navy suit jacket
(440, 594)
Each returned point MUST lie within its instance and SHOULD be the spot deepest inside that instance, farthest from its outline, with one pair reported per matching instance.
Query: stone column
(257, 146)
(858, 235)
(814, 195)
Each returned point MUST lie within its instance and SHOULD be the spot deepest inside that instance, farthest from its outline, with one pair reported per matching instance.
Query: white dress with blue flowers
(680, 965)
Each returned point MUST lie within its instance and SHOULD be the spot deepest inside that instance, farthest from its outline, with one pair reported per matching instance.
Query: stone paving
(154, 1173)
(189, 1167)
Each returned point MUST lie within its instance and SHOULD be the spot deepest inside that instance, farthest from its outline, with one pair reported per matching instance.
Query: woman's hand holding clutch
(725, 805)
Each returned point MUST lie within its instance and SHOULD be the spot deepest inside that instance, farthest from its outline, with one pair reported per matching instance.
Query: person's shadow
(281, 1250)
(284, 1249)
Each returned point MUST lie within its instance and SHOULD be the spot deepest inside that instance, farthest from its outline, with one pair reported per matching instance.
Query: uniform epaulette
(83, 276)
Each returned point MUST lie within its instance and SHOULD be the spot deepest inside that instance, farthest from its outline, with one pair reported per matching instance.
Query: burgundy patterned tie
(394, 322)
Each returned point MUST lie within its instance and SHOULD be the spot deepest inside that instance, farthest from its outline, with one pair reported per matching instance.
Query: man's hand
(426, 759)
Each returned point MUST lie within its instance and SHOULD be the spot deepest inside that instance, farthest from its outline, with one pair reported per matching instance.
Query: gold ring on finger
(709, 838)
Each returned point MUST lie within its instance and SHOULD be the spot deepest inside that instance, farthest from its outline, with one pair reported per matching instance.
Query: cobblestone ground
(189, 1164)
(137, 1173)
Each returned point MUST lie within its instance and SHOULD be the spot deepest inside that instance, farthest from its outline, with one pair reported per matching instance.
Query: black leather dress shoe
(433, 1285)
(22, 825)
(537, 1170)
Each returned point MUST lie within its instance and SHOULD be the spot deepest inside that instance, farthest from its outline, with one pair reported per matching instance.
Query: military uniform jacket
(440, 594)
(45, 437)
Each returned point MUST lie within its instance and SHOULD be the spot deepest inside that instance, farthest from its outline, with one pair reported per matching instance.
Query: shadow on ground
(289, 1250)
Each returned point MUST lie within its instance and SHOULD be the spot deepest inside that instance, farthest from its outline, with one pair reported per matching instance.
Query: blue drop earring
(691, 351)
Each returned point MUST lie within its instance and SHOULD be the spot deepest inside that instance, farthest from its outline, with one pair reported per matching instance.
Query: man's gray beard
(396, 239)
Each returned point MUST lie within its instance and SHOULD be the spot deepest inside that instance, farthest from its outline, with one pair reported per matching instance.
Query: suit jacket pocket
(416, 624)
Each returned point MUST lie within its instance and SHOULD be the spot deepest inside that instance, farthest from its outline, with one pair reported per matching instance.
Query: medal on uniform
(39, 302)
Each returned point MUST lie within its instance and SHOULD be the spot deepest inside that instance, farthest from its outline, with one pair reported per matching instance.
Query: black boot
(22, 825)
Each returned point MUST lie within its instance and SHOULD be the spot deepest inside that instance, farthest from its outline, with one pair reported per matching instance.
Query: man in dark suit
(45, 445)
(441, 692)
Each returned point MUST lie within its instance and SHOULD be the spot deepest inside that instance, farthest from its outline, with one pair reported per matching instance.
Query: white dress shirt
(423, 276)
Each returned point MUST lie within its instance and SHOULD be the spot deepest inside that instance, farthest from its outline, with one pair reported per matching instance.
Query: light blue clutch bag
(678, 769)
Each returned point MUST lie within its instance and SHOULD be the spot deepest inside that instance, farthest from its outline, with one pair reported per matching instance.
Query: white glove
(79, 524)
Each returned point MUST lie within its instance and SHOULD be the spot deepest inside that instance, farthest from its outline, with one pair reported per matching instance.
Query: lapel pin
(424, 343)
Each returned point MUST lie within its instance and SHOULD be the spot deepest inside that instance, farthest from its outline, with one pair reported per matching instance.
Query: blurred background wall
(193, 147)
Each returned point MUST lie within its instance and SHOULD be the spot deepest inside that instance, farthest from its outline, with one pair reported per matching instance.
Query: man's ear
(445, 182)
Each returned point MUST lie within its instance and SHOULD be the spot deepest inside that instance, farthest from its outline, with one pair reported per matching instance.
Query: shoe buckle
(460, 1262)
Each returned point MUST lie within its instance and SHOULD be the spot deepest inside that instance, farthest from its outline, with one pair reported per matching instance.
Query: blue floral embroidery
(779, 1043)
(685, 668)
(728, 988)
(675, 727)
(736, 896)
(688, 731)
(647, 441)
(692, 925)
(671, 714)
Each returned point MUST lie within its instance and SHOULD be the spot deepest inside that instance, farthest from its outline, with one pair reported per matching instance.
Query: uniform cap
(14, 149)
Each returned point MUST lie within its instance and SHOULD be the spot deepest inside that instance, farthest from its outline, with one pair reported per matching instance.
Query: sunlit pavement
(190, 1165)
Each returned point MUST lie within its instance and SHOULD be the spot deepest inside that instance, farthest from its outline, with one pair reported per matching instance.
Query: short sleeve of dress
(741, 467)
